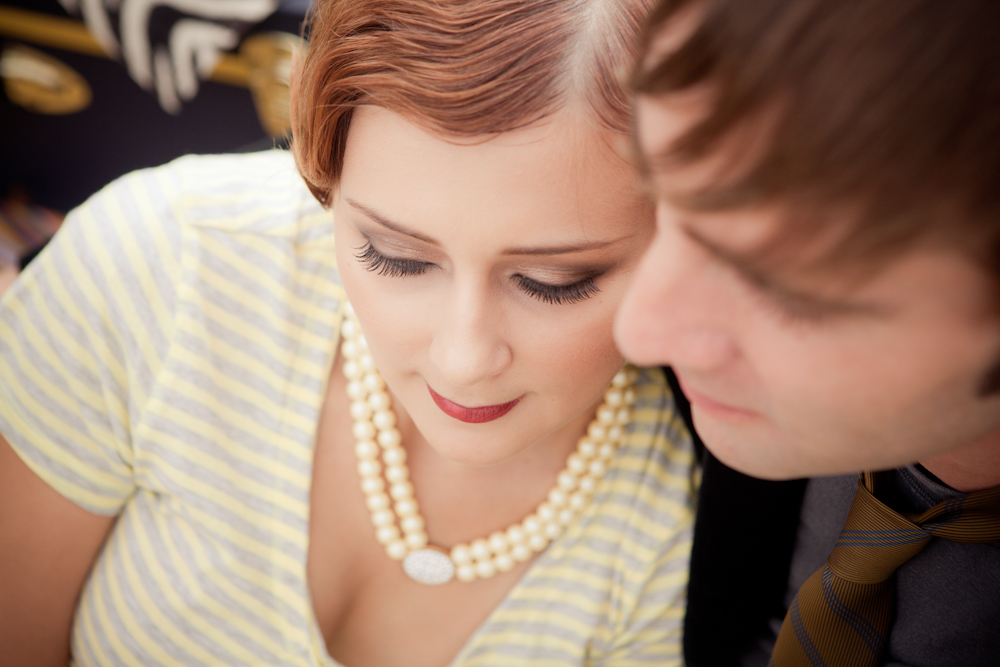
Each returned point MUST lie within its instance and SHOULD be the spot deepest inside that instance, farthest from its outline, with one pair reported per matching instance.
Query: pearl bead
(377, 501)
(369, 468)
(465, 573)
(352, 370)
(373, 381)
(460, 554)
(349, 349)
(383, 518)
(401, 491)
(614, 397)
(480, 549)
(577, 501)
(366, 362)
(498, 543)
(366, 449)
(552, 530)
(405, 508)
(384, 420)
(597, 468)
(371, 484)
(485, 569)
(576, 464)
(615, 433)
(397, 474)
(416, 540)
(390, 439)
(515, 535)
(356, 391)
(363, 431)
(558, 498)
(606, 415)
(387, 534)
(360, 411)
(412, 524)
(349, 311)
(531, 525)
(566, 516)
(395, 456)
(397, 550)
(378, 400)
(520, 552)
(538, 542)
(620, 379)
(587, 449)
(623, 416)
(566, 480)
(504, 562)
(349, 328)
(629, 396)
(597, 432)
(362, 341)
(605, 452)
(587, 484)
(545, 512)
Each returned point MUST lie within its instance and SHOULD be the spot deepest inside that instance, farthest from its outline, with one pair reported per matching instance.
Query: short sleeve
(82, 332)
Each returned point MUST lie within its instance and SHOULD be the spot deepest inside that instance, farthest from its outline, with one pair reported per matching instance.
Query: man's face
(795, 372)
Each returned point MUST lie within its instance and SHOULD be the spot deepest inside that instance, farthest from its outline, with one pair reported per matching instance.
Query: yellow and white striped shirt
(165, 360)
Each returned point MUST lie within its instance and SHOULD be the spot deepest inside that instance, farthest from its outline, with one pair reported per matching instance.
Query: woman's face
(487, 273)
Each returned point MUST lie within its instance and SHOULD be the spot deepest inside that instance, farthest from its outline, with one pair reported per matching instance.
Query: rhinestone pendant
(429, 566)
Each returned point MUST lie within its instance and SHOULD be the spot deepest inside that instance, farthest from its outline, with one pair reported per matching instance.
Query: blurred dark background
(49, 162)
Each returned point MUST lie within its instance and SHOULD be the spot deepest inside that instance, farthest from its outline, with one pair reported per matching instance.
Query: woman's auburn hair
(459, 68)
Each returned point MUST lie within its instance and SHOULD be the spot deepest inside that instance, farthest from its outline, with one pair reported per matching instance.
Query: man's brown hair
(889, 109)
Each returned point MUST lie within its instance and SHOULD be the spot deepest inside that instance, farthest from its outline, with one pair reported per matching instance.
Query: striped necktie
(842, 614)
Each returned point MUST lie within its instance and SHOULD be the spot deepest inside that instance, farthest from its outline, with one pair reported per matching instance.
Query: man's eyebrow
(394, 226)
(759, 280)
(527, 250)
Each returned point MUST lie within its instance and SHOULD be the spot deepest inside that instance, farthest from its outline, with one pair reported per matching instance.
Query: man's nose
(674, 312)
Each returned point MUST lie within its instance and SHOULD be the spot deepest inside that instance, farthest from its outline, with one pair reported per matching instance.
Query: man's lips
(710, 405)
(472, 415)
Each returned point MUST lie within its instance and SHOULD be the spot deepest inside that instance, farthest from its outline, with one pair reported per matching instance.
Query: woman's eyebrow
(526, 250)
(388, 224)
(563, 249)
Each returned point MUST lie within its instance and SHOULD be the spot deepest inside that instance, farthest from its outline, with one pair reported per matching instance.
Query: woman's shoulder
(246, 193)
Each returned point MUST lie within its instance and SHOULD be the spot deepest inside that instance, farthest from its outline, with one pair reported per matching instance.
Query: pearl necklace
(400, 528)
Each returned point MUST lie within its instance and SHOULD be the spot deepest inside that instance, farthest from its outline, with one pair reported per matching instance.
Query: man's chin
(755, 454)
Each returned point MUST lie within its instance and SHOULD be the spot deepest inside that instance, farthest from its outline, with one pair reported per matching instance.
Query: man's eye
(388, 266)
(558, 294)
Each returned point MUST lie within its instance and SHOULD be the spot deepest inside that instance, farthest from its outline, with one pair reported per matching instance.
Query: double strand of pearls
(400, 528)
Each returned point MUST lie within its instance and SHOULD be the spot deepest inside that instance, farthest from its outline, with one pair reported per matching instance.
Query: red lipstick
(472, 415)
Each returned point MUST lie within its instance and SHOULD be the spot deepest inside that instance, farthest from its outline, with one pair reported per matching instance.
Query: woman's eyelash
(388, 266)
(378, 263)
(559, 294)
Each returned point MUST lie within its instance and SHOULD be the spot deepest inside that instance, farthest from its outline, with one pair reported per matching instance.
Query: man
(825, 284)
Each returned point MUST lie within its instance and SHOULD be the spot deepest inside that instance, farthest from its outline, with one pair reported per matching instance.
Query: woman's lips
(472, 415)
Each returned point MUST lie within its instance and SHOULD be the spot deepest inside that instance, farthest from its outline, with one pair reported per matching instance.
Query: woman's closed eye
(389, 266)
(558, 294)
(394, 267)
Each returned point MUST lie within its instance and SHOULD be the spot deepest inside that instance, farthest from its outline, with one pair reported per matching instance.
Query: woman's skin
(466, 325)
(517, 250)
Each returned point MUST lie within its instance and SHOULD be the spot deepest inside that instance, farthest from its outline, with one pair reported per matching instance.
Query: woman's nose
(469, 346)
(674, 312)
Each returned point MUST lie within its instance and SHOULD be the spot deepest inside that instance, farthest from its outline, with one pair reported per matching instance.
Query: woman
(235, 466)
